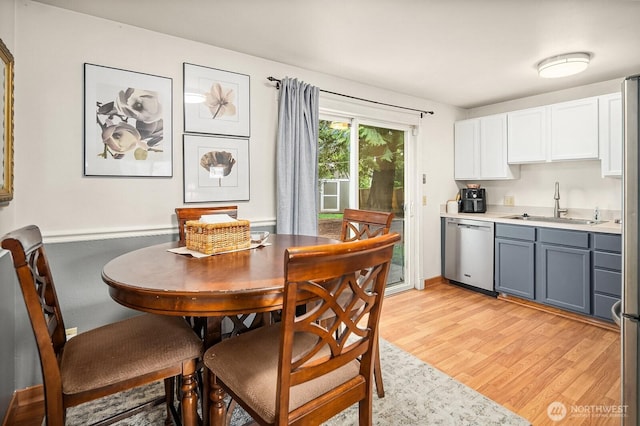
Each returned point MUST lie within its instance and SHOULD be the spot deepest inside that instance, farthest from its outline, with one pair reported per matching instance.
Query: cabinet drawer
(607, 282)
(608, 242)
(564, 237)
(607, 260)
(516, 232)
(602, 306)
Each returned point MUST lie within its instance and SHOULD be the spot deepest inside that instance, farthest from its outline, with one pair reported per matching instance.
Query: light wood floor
(520, 357)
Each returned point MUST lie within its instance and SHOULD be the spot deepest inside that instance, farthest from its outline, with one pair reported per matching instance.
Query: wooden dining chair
(105, 360)
(183, 214)
(362, 224)
(298, 371)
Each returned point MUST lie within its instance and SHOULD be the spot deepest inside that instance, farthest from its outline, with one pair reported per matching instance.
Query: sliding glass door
(361, 165)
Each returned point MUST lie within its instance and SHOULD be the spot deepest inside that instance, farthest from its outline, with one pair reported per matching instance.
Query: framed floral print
(127, 123)
(6, 122)
(215, 169)
(215, 101)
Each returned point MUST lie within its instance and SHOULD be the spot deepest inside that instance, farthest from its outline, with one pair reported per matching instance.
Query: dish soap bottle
(596, 213)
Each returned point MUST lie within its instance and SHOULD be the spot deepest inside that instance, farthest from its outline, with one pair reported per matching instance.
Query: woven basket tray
(211, 238)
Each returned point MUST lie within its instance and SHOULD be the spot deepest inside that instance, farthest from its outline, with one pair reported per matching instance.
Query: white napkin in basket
(217, 218)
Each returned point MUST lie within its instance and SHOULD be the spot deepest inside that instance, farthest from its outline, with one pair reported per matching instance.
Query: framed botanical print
(128, 127)
(6, 120)
(215, 101)
(215, 169)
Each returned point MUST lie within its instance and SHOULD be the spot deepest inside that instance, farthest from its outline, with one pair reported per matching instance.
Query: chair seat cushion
(126, 349)
(248, 365)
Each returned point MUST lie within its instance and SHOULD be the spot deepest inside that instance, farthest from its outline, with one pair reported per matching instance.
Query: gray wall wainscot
(84, 299)
(8, 296)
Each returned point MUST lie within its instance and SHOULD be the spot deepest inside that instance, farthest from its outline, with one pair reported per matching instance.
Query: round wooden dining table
(155, 280)
(152, 279)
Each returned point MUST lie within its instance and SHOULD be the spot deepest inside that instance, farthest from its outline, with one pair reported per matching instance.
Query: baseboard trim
(21, 398)
(559, 312)
(433, 280)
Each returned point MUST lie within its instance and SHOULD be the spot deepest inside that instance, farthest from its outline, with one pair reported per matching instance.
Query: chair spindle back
(361, 224)
(358, 269)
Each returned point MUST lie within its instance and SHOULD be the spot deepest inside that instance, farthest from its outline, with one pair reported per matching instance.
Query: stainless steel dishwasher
(468, 257)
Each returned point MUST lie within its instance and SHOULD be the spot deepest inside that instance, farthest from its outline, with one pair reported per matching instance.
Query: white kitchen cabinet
(527, 135)
(610, 134)
(574, 130)
(493, 148)
(480, 149)
(466, 146)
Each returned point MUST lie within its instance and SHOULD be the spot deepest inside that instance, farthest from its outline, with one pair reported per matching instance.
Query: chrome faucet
(556, 208)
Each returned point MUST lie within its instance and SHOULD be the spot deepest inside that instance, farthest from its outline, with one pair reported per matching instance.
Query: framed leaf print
(215, 101)
(127, 123)
(215, 169)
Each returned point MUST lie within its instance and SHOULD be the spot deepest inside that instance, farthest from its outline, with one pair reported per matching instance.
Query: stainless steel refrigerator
(630, 306)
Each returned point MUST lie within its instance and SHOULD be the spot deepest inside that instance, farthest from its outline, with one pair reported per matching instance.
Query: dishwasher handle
(480, 225)
(464, 225)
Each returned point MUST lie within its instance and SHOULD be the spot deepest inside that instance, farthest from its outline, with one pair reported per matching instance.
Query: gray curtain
(297, 158)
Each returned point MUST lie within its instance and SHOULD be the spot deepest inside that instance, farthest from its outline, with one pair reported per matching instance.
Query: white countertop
(608, 227)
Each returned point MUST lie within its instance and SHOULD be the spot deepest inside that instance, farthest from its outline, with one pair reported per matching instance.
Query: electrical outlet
(424, 200)
(71, 332)
(508, 200)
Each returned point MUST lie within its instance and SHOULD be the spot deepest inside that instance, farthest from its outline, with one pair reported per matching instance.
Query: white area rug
(415, 394)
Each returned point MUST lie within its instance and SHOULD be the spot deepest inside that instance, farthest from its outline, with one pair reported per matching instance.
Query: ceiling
(465, 53)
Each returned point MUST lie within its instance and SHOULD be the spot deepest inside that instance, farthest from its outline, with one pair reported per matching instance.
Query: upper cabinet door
(493, 148)
(466, 146)
(574, 130)
(480, 149)
(610, 121)
(527, 135)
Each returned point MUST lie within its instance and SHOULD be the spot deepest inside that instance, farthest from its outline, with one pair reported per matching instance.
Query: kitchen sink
(552, 219)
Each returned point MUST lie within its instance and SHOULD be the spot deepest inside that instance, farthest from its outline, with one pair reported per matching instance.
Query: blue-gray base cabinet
(573, 270)
(563, 276)
(515, 260)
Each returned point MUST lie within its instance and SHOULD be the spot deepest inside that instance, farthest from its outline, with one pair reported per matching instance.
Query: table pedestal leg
(213, 331)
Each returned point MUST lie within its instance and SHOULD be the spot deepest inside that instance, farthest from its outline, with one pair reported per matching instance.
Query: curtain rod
(422, 112)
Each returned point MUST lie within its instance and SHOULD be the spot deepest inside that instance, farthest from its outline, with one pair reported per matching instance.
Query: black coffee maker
(473, 200)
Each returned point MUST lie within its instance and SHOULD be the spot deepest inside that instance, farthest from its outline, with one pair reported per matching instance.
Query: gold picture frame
(6, 108)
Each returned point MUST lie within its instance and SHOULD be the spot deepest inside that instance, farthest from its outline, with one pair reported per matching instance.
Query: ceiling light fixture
(563, 65)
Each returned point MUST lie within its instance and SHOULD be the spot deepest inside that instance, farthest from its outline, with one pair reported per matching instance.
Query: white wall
(581, 186)
(53, 44)
(437, 162)
(7, 34)
(51, 47)
(8, 291)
